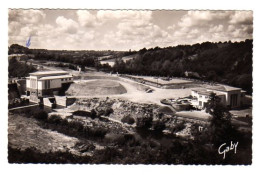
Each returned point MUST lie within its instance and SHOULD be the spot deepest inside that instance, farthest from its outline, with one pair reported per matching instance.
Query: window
(62, 79)
(200, 103)
(47, 84)
(233, 100)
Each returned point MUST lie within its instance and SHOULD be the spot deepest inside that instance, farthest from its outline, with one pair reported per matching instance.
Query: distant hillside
(229, 63)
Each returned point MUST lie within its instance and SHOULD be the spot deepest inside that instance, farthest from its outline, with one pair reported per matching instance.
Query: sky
(125, 29)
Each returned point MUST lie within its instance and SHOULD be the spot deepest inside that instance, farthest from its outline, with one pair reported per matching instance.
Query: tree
(220, 128)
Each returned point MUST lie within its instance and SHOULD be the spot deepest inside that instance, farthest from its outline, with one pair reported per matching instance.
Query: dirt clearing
(96, 87)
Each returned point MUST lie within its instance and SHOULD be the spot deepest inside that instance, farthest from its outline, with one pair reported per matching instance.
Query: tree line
(228, 63)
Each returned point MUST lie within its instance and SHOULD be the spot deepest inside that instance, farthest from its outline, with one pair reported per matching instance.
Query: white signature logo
(224, 148)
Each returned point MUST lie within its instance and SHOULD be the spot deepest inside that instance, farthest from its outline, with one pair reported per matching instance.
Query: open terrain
(112, 133)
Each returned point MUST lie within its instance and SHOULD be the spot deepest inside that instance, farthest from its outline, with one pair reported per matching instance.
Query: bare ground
(24, 133)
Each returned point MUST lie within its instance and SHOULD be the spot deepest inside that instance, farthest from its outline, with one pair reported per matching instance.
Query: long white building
(47, 83)
(230, 96)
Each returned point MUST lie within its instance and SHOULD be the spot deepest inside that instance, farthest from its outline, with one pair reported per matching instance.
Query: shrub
(56, 119)
(178, 127)
(82, 113)
(105, 111)
(158, 125)
(93, 113)
(96, 132)
(40, 114)
(128, 119)
(108, 111)
(78, 126)
(144, 122)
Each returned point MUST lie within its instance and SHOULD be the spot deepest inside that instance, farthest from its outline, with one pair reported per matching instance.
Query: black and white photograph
(130, 87)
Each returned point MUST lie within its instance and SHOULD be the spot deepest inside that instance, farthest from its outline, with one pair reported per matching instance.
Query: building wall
(27, 83)
(40, 85)
(202, 99)
(228, 97)
(55, 83)
(238, 98)
(66, 80)
(47, 92)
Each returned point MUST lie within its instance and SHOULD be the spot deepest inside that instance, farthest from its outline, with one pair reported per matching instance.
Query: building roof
(46, 73)
(55, 77)
(198, 89)
(208, 93)
(204, 91)
(223, 88)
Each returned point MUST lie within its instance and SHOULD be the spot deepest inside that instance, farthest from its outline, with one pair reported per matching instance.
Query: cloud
(216, 29)
(231, 28)
(125, 29)
(67, 25)
(124, 15)
(172, 27)
(28, 30)
(14, 28)
(86, 19)
(242, 17)
(26, 16)
(199, 18)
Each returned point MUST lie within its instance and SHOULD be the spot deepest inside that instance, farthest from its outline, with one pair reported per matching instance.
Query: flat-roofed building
(230, 96)
(47, 83)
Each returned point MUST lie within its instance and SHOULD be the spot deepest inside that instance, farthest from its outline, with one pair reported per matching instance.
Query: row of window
(205, 96)
(65, 79)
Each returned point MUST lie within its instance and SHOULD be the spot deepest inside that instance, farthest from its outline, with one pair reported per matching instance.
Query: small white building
(47, 83)
(230, 96)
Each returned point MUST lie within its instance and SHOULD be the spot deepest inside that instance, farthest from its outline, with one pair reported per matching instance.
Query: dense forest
(223, 62)
(228, 63)
(18, 69)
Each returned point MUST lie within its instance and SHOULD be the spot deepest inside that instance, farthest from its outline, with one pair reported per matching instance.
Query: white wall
(40, 85)
(28, 83)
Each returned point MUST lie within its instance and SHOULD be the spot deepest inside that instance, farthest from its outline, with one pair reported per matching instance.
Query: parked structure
(46, 84)
(231, 97)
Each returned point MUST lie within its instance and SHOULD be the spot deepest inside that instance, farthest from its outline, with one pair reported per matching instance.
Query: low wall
(47, 102)
(64, 101)
(24, 108)
(181, 107)
(61, 100)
